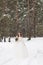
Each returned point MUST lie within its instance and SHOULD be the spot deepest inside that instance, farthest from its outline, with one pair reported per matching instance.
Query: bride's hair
(20, 34)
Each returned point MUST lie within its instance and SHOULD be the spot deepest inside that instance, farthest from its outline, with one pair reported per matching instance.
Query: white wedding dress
(21, 51)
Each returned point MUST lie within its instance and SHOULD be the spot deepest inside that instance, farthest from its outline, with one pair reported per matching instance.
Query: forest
(25, 16)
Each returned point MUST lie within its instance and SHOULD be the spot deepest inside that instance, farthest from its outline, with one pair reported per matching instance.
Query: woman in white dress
(21, 50)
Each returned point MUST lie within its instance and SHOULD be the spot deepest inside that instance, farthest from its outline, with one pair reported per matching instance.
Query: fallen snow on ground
(35, 50)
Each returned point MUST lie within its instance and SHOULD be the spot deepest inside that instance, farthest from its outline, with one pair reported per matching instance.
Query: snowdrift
(35, 51)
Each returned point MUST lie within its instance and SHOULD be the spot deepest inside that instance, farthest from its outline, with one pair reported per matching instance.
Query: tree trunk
(29, 22)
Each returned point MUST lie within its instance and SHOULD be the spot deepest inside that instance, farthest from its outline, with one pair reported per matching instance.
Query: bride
(21, 50)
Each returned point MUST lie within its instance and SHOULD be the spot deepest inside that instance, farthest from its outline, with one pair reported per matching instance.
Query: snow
(35, 50)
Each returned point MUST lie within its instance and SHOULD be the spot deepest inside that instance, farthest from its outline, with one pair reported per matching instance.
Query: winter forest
(21, 32)
(24, 16)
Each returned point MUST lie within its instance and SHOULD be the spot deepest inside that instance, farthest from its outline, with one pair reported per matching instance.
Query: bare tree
(29, 21)
(34, 16)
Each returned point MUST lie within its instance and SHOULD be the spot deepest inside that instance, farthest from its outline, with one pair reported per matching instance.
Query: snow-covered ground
(35, 50)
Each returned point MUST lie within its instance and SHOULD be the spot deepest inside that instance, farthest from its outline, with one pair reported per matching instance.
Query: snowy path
(35, 50)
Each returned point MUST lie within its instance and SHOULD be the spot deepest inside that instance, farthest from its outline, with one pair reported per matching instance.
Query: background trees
(25, 16)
